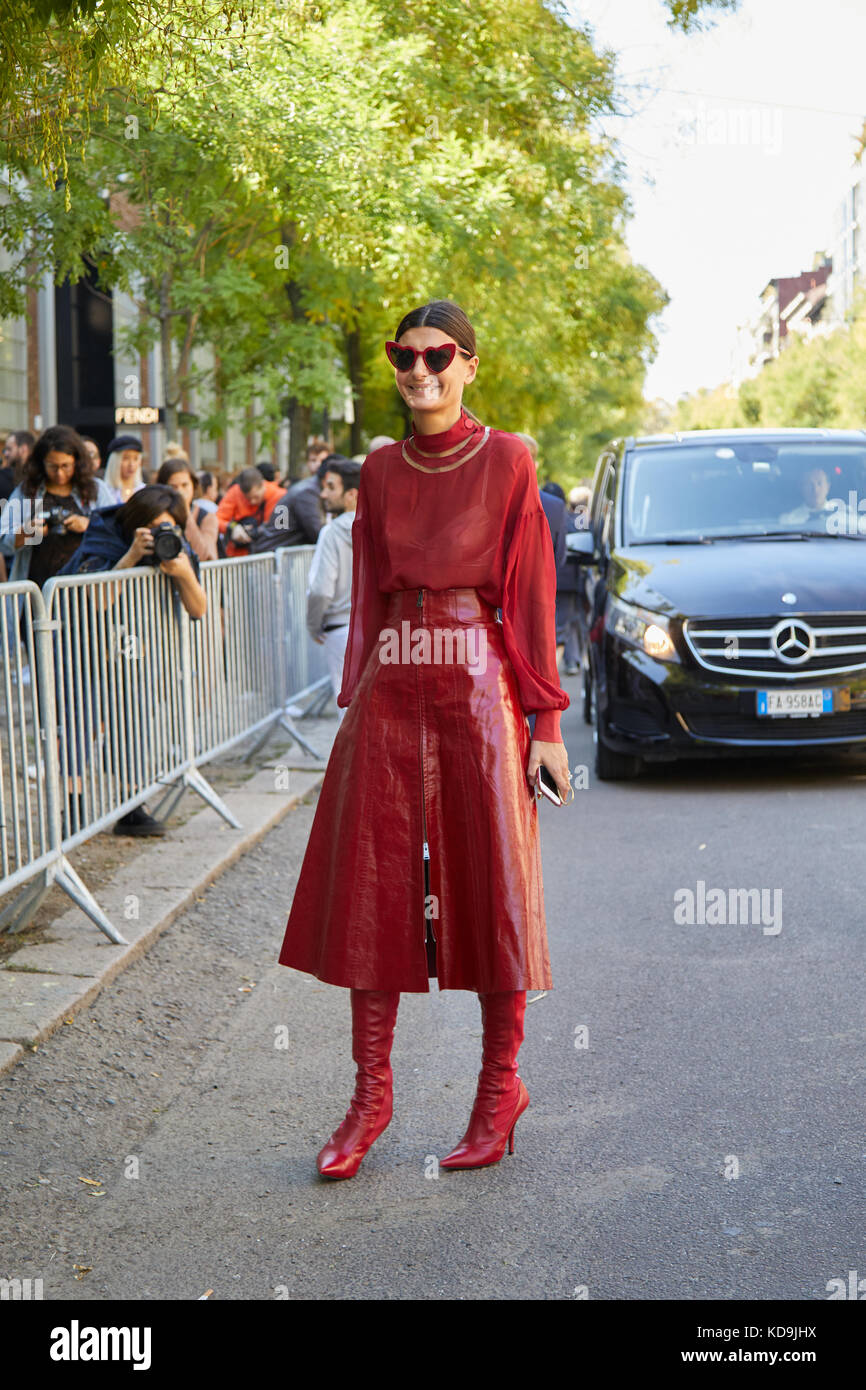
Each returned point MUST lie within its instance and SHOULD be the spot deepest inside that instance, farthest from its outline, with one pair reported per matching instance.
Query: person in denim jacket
(47, 515)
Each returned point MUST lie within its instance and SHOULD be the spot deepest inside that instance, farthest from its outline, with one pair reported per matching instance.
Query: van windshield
(739, 488)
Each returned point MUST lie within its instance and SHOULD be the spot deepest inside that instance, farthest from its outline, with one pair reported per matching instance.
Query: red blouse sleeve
(528, 614)
(369, 604)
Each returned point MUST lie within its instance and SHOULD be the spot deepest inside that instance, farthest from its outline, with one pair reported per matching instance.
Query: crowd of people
(51, 487)
(66, 510)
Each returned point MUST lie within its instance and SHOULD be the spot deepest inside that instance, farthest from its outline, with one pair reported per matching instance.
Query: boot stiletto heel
(501, 1097)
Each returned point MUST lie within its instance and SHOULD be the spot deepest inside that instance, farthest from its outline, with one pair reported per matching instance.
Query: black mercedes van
(725, 595)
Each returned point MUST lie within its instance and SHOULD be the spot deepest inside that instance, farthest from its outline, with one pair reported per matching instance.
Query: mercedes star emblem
(792, 641)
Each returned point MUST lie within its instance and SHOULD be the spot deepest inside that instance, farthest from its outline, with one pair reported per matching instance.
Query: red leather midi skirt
(424, 855)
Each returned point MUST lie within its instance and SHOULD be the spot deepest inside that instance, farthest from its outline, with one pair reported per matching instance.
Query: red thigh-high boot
(501, 1097)
(374, 1015)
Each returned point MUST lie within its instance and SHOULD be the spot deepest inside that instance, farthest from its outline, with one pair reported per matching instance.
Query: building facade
(790, 306)
(849, 249)
(65, 362)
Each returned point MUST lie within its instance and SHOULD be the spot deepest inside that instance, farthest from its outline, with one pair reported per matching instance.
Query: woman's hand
(555, 759)
(192, 595)
(142, 545)
(76, 522)
(180, 569)
(179, 566)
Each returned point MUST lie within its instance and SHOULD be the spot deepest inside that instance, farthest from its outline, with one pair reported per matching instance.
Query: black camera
(251, 527)
(53, 518)
(167, 543)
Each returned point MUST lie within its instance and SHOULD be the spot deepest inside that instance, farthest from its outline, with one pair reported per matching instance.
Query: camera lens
(166, 542)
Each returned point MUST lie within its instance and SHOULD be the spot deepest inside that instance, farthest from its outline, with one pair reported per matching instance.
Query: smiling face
(427, 393)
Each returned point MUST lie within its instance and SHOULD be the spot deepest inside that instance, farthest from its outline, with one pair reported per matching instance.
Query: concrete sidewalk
(42, 986)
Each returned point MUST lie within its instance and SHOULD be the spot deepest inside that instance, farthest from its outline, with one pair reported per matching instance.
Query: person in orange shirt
(251, 499)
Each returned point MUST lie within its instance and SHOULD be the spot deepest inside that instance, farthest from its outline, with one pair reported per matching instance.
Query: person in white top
(329, 585)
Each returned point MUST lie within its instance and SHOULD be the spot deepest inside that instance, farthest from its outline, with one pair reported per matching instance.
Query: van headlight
(641, 628)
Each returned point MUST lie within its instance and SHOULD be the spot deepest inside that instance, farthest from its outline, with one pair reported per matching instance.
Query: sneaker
(138, 822)
(572, 670)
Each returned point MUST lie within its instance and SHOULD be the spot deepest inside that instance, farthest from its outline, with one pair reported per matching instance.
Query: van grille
(802, 730)
(794, 647)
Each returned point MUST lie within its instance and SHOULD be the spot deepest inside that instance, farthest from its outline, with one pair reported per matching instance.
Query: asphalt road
(696, 1123)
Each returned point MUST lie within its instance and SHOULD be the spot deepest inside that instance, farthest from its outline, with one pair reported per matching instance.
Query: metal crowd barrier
(128, 696)
(304, 668)
(27, 795)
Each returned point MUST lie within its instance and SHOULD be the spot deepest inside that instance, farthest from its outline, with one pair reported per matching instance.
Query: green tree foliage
(284, 190)
(60, 60)
(707, 409)
(690, 15)
(750, 403)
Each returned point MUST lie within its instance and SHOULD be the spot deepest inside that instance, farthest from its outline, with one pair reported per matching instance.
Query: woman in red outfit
(423, 858)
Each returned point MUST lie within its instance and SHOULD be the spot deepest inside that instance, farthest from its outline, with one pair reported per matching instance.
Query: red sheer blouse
(471, 518)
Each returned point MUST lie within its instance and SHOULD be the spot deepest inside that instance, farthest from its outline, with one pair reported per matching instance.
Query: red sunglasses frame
(422, 352)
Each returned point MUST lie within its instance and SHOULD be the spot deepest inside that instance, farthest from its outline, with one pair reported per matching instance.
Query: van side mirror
(581, 545)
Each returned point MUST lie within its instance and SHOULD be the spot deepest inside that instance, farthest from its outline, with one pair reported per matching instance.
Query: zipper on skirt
(429, 934)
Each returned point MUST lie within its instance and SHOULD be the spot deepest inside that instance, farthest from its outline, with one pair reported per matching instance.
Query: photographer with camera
(246, 507)
(146, 530)
(49, 512)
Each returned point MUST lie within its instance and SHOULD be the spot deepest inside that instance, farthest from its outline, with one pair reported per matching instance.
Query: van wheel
(609, 765)
(615, 767)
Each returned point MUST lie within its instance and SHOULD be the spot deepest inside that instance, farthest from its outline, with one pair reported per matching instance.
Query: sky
(738, 146)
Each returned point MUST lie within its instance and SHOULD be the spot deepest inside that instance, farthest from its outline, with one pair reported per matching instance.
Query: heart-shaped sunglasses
(436, 358)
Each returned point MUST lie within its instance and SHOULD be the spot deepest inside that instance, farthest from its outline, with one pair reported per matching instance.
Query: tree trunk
(169, 385)
(353, 357)
(299, 429)
(298, 412)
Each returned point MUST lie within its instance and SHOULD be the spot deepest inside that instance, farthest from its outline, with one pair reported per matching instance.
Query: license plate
(795, 703)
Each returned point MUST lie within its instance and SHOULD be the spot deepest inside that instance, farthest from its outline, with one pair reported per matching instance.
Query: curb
(43, 986)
